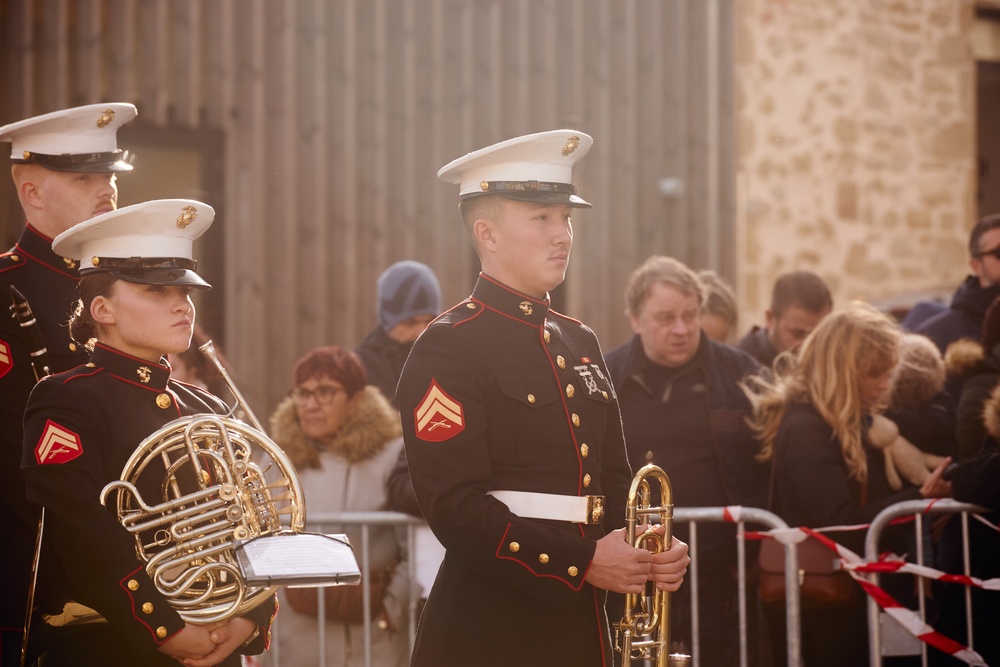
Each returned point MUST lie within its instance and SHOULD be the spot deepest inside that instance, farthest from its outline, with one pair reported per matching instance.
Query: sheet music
(298, 559)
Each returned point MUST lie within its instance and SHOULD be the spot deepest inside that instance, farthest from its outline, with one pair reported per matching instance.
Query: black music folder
(298, 560)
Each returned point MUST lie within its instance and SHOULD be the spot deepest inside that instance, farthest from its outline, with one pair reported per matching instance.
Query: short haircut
(660, 269)
(720, 299)
(800, 289)
(985, 224)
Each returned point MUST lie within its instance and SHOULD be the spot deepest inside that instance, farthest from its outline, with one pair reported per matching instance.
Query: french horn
(224, 481)
(643, 633)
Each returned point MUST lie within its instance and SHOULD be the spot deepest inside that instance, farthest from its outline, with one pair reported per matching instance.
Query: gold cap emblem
(106, 117)
(571, 145)
(70, 263)
(525, 307)
(144, 374)
(188, 215)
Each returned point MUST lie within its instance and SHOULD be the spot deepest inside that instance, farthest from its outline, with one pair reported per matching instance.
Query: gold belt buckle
(595, 509)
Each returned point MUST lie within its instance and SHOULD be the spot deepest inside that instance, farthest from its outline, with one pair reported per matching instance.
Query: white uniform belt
(530, 505)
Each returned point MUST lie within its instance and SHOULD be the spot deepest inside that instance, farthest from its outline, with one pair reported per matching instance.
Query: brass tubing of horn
(208, 349)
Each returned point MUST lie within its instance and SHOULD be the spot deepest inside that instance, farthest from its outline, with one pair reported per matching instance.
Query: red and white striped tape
(854, 565)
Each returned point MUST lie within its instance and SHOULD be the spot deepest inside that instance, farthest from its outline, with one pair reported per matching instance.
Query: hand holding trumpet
(617, 566)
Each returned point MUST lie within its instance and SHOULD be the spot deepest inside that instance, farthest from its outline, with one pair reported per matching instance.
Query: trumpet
(643, 633)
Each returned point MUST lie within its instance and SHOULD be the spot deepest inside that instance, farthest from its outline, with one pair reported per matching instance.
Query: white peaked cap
(77, 139)
(533, 167)
(151, 242)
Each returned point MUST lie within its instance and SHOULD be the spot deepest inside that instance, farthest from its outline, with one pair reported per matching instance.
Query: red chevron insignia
(439, 416)
(57, 445)
(6, 359)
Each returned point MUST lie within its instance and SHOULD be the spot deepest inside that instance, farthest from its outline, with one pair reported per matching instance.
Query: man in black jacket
(409, 297)
(683, 410)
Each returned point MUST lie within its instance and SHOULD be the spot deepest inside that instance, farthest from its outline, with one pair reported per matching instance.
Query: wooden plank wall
(336, 114)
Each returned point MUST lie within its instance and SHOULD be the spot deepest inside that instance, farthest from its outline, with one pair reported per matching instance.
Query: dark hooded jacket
(964, 318)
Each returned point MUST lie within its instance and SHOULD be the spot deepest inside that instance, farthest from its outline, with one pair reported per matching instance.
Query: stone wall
(856, 126)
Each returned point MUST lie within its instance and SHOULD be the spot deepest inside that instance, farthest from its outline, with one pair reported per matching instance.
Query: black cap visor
(86, 163)
(150, 270)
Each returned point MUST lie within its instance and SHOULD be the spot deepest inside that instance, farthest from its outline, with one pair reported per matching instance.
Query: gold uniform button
(470, 306)
(163, 401)
(561, 361)
(161, 632)
(570, 391)
(543, 558)
(133, 585)
(586, 480)
(576, 419)
(16, 258)
(604, 394)
(531, 398)
(147, 607)
(584, 450)
(514, 547)
(547, 336)
(72, 347)
(572, 571)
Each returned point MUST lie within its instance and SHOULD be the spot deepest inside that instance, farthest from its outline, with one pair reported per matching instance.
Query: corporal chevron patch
(57, 444)
(438, 417)
(6, 359)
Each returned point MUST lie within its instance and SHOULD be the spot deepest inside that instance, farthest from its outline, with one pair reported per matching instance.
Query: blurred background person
(975, 366)
(811, 422)
(799, 300)
(682, 409)
(344, 439)
(409, 297)
(720, 316)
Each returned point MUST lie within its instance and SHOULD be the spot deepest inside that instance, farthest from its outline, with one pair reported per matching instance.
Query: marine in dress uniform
(95, 604)
(515, 448)
(81, 140)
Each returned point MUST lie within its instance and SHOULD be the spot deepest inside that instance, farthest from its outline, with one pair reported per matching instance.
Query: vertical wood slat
(54, 54)
(88, 79)
(154, 60)
(121, 51)
(186, 60)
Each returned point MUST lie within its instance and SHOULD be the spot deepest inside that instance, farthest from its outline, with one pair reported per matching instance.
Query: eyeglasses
(995, 253)
(324, 394)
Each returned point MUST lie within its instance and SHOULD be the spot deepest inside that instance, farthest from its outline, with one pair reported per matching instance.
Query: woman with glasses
(344, 438)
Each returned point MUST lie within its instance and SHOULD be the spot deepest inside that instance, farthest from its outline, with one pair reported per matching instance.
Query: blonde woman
(811, 424)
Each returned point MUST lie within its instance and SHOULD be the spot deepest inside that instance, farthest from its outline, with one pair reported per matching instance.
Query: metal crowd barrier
(696, 515)
(330, 522)
(879, 622)
(335, 521)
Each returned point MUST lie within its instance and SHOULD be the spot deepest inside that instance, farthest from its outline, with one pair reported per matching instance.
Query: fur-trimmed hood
(369, 423)
(963, 357)
(991, 413)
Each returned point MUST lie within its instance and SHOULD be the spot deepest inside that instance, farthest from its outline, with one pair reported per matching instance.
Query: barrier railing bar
(907, 508)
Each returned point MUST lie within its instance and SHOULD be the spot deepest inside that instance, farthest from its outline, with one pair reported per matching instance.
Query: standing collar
(37, 246)
(131, 369)
(507, 301)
